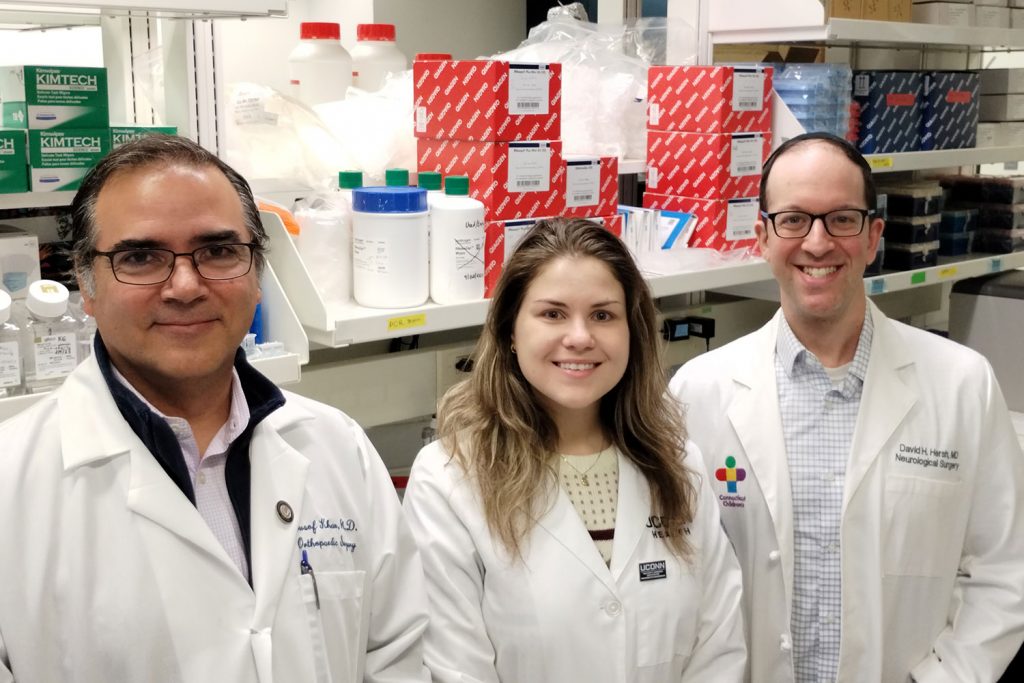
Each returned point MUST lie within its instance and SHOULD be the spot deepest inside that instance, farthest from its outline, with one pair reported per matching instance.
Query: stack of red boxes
(500, 124)
(708, 134)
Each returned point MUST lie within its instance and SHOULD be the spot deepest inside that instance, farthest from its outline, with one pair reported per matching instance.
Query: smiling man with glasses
(169, 514)
(877, 486)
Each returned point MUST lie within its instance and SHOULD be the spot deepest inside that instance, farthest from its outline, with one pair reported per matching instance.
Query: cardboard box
(706, 165)
(709, 99)
(890, 110)
(992, 3)
(992, 17)
(722, 224)
(119, 135)
(1001, 134)
(899, 10)
(59, 159)
(13, 161)
(512, 179)
(875, 10)
(19, 260)
(1017, 18)
(45, 97)
(486, 100)
(944, 13)
(1001, 81)
(591, 186)
(988, 134)
(844, 9)
(949, 115)
(1002, 108)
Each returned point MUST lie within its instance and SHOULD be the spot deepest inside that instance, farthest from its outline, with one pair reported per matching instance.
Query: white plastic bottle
(12, 378)
(86, 326)
(389, 247)
(325, 241)
(456, 244)
(319, 67)
(50, 349)
(375, 55)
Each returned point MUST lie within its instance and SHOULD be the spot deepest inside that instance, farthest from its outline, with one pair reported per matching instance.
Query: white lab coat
(561, 614)
(108, 572)
(932, 557)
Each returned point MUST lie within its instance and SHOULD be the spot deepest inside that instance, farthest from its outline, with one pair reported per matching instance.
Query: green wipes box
(13, 161)
(47, 97)
(119, 135)
(59, 159)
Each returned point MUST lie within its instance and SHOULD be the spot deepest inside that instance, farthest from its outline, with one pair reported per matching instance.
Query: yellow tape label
(406, 322)
(947, 272)
(880, 162)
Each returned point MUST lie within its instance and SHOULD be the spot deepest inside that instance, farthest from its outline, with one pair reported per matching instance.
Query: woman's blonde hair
(495, 429)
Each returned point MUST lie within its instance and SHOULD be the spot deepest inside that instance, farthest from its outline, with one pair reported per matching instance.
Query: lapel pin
(284, 511)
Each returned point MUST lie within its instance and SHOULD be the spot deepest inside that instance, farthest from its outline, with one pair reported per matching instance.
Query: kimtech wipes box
(120, 135)
(59, 159)
(45, 97)
(13, 162)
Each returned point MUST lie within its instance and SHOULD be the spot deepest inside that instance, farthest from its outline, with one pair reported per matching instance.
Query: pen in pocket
(306, 568)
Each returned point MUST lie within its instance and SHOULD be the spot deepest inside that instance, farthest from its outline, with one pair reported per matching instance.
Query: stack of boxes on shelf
(708, 134)
(55, 126)
(999, 202)
(1002, 108)
(499, 123)
(912, 228)
(982, 13)
(874, 10)
(910, 111)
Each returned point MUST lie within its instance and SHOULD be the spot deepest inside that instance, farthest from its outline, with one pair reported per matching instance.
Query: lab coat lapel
(754, 414)
(278, 473)
(566, 527)
(884, 403)
(92, 429)
(632, 516)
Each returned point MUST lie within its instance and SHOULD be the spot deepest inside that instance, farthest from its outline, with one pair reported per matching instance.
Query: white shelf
(950, 269)
(83, 11)
(863, 32)
(35, 200)
(627, 166)
(942, 158)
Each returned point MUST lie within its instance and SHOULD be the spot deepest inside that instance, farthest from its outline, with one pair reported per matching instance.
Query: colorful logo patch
(730, 474)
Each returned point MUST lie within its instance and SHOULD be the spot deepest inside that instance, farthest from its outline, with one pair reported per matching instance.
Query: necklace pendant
(586, 480)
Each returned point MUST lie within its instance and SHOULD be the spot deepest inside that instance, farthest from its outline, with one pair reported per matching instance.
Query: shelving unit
(35, 200)
(943, 158)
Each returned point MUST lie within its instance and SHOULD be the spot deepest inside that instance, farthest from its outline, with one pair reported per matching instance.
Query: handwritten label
(948, 272)
(405, 322)
(880, 162)
(56, 355)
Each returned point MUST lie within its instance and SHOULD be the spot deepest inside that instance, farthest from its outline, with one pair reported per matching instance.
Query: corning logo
(730, 474)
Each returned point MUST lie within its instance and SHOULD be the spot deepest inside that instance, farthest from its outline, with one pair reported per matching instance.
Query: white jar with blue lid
(390, 247)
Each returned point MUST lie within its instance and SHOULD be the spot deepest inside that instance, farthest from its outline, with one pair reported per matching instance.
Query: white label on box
(582, 183)
(10, 364)
(469, 254)
(747, 90)
(529, 167)
(515, 231)
(740, 219)
(746, 155)
(371, 256)
(861, 85)
(56, 355)
(528, 89)
(421, 119)
(654, 113)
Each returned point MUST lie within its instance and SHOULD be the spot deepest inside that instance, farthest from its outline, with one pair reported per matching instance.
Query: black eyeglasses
(154, 266)
(838, 223)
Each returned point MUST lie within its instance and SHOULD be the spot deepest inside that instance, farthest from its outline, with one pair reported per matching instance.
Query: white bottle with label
(319, 67)
(456, 244)
(50, 348)
(12, 378)
(389, 247)
(375, 55)
(86, 326)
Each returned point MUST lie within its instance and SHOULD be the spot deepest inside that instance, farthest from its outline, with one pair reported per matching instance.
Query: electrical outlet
(453, 366)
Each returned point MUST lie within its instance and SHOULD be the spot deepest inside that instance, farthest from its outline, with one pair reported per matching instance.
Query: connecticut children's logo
(730, 474)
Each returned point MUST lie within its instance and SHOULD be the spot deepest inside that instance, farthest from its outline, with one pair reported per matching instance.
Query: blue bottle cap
(389, 199)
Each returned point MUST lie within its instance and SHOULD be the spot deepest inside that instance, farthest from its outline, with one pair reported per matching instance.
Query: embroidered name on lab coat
(649, 571)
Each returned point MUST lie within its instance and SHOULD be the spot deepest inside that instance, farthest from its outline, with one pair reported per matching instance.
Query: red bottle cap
(425, 56)
(319, 30)
(375, 32)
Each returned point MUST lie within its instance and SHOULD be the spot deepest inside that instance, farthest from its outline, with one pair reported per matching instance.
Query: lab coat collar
(884, 403)
(756, 419)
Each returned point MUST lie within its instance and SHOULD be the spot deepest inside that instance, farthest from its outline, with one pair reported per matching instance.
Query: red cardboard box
(512, 179)
(722, 224)
(591, 186)
(487, 100)
(709, 99)
(501, 238)
(707, 165)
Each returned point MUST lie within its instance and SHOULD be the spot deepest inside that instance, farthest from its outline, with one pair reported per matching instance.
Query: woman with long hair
(566, 534)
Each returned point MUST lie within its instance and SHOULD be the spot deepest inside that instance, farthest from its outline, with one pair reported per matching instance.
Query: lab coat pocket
(336, 626)
(921, 518)
(666, 623)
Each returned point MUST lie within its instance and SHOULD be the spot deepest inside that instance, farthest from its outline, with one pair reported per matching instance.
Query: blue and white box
(949, 119)
(890, 110)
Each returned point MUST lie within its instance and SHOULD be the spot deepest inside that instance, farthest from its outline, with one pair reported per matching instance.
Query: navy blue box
(958, 221)
(911, 256)
(949, 113)
(913, 230)
(955, 244)
(890, 110)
